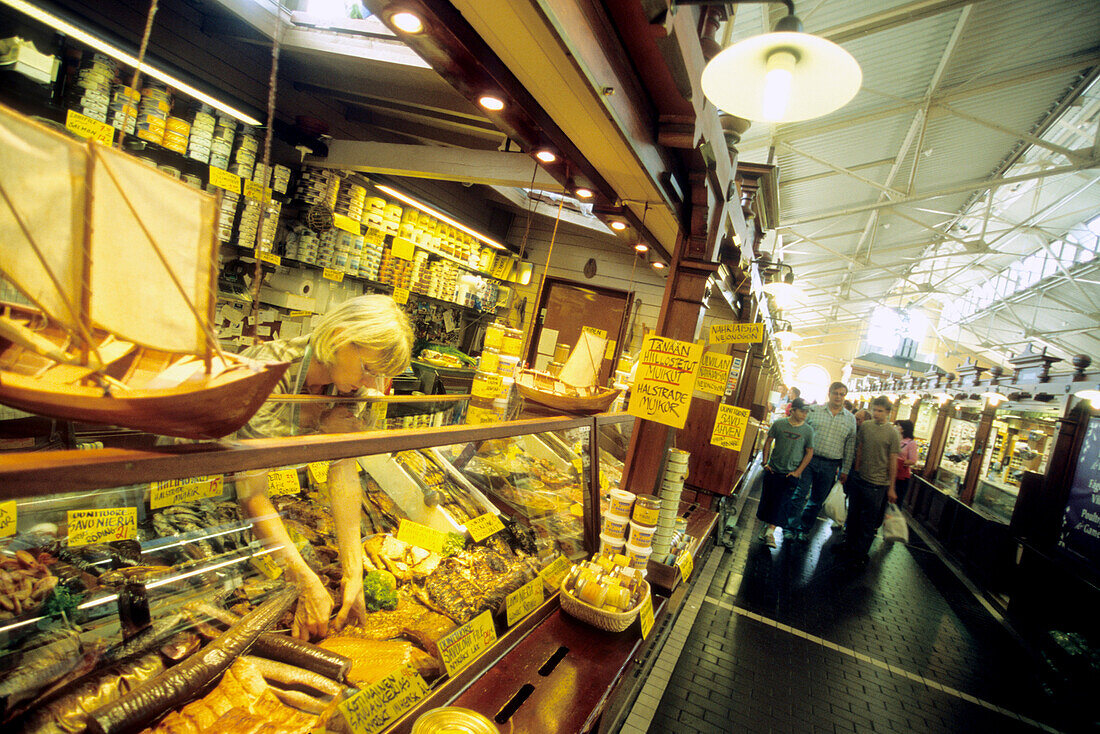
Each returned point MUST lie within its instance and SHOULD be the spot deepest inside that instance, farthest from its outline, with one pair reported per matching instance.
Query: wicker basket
(609, 621)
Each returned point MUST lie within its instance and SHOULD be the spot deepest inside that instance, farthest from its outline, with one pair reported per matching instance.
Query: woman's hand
(353, 608)
(314, 609)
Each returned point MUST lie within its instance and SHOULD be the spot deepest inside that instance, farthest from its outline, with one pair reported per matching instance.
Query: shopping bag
(894, 527)
(836, 508)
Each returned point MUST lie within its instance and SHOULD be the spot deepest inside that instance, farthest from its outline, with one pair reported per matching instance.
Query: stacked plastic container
(616, 522)
(672, 486)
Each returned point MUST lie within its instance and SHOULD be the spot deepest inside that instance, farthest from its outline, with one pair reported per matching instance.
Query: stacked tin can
(391, 219)
(91, 93)
(348, 249)
(201, 139)
(370, 261)
(350, 199)
(123, 112)
(227, 213)
(156, 103)
(302, 243)
(672, 486)
(280, 179)
(374, 211)
(221, 144)
(245, 149)
(316, 186)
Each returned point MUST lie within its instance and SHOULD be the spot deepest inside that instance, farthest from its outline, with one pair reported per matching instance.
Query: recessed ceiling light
(641, 247)
(617, 225)
(659, 265)
(546, 156)
(407, 22)
(491, 103)
(583, 193)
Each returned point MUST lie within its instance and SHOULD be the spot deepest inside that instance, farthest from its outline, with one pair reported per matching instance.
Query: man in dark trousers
(787, 450)
(871, 483)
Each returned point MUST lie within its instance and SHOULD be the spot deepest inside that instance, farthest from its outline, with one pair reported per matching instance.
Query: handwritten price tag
(374, 236)
(736, 333)
(318, 471)
(482, 526)
(8, 516)
(102, 526)
(333, 274)
(555, 571)
(225, 180)
(467, 642)
(266, 565)
(175, 491)
(645, 616)
(686, 563)
(401, 295)
(487, 387)
(267, 257)
(373, 708)
(87, 127)
(523, 601)
(255, 191)
(403, 248)
(346, 223)
(282, 481)
(421, 536)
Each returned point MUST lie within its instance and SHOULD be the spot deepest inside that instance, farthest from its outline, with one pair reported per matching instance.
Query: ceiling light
(782, 76)
(782, 288)
(407, 22)
(1091, 395)
(994, 398)
(641, 247)
(102, 46)
(617, 225)
(583, 193)
(658, 265)
(491, 103)
(439, 215)
(546, 156)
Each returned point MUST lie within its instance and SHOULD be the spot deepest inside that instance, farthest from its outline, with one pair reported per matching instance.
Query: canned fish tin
(512, 342)
(646, 510)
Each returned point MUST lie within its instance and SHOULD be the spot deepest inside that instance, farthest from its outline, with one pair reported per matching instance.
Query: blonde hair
(375, 323)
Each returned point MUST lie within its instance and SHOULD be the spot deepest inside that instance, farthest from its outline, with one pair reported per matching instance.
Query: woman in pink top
(907, 457)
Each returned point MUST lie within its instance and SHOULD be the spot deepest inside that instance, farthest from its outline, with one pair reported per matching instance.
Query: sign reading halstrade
(665, 380)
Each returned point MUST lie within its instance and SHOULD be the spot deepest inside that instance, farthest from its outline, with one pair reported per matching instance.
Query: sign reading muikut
(736, 333)
(664, 380)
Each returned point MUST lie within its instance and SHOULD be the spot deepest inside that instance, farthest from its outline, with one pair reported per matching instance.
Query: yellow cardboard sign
(685, 562)
(502, 266)
(373, 708)
(175, 491)
(421, 536)
(609, 351)
(333, 274)
(8, 517)
(282, 481)
(482, 526)
(467, 642)
(225, 180)
(374, 236)
(346, 223)
(523, 601)
(253, 190)
(487, 387)
(645, 616)
(598, 333)
(296, 314)
(268, 257)
(714, 372)
(318, 471)
(729, 427)
(664, 380)
(736, 333)
(403, 248)
(88, 127)
(266, 565)
(555, 571)
(102, 525)
(401, 295)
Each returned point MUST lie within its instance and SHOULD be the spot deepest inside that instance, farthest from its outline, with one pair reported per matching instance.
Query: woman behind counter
(354, 349)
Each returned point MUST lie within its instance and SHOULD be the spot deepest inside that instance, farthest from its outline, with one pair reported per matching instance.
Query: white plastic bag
(836, 507)
(894, 527)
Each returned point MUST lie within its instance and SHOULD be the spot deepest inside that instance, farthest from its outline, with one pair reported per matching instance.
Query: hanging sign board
(714, 370)
(225, 180)
(87, 127)
(664, 380)
(175, 491)
(346, 223)
(729, 427)
(736, 333)
(467, 642)
(1081, 520)
(101, 526)
(403, 248)
(401, 295)
(598, 333)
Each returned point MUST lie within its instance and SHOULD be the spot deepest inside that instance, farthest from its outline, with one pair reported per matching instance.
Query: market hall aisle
(785, 640)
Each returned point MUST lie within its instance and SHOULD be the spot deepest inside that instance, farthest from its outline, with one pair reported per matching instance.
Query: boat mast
(84, 308)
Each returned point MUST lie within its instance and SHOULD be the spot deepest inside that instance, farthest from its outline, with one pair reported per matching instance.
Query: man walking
(787, 450)
(834, 450)
(872, 482)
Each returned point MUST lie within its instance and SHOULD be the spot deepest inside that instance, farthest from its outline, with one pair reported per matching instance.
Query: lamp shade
(818, 75)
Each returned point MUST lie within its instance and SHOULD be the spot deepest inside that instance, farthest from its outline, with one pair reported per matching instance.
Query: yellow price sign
(729, 427)
(318, 471)
(685, 563)
(401, 295)
(598, 333)
(225, 180)
(421, 536)
(482, 526)
(523, 601)
(282, 481)
(665, 380)
(403, 248)
(8, 517)
(555, 571)
(714, 372)
(333, 274)
(487, 387)
(256, 191)
(86, 527)
(645, 616)
(346, 223)
(268, 257)
(87, 127)
(374, 236)
(736, 333)
(467, 642)
(296, 314)
(175, 491)
(373, 708)
(266, 565)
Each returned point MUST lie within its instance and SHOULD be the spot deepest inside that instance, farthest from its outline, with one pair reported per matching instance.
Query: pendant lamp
(783, 76)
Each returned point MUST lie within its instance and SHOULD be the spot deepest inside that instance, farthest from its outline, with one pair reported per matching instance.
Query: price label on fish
(257, 192)
(318, 471)
(225, 180)
(102, 525)
(487, 386)
(87, 127)
(266, 565)
(523, 601)
(421, 536)
(346, 223)
(8, 518)
(645, 615)
(467, 642)
(373, 708)
(482, 526)
(283, 481)
(401, 295)
(553, 573)
(685, 562)
(333, 274)
(403, 248)
(175, 491)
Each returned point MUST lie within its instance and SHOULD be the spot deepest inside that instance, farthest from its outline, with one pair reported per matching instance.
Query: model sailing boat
(119, 259)
(574, 389)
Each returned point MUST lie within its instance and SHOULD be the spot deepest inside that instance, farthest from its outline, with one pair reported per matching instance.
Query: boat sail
(120, 261)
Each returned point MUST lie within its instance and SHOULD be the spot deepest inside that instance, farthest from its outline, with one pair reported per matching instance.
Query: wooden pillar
(974, 466)
(915, 411)
(937, 441)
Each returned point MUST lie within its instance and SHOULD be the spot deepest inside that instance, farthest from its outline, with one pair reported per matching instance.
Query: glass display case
(960, 430)
(923, 427)
(1019, 441)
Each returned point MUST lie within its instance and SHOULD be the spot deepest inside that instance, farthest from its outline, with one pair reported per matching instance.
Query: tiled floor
(784, 640)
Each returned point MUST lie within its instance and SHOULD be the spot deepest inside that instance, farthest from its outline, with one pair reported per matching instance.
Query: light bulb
(407, 22)
(617, 225)
(641, 247)
(546, 156)
(777, 84)
(583, 193)
(491, 103)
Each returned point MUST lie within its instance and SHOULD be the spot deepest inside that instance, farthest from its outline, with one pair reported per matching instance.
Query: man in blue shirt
(787, 451)
(834, 449)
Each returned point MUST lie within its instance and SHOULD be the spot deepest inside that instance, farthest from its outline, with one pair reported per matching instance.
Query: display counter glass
(923, 427)
(961, 429)
(1020, 441)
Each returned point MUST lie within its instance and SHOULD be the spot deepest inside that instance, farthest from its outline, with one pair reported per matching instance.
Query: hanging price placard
(346, 223)
(87, 527)
(665, 380)
(467, 642)
(333, 274)
(645, 616)
(225, 180)
(401, 295)
(8, 517)
(714, 371)
(482, 526)
(523, 601)
(175, 491)
(318, 471)
(403, 248)
(736, 333)
(87, 127)
(729, 427)
(421, 536)
(282, 481)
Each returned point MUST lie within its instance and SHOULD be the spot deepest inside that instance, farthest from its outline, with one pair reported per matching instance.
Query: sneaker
(769, 540)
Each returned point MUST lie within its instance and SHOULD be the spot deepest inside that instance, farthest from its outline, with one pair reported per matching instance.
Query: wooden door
(565, 309)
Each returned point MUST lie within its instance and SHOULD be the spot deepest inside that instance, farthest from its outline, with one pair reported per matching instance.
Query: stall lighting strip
(99, 44)
(434, 212)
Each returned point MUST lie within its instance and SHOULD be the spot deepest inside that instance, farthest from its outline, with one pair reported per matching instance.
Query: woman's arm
(344, 489)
